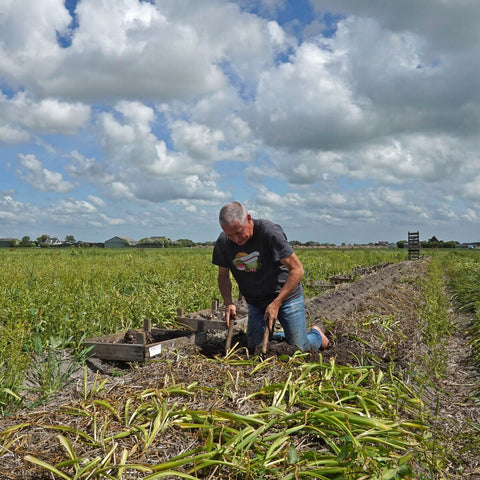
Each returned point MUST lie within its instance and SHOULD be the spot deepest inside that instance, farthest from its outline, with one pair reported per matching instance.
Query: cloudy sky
(343, 120)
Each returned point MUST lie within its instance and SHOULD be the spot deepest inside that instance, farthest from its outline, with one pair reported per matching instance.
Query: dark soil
(373, 320)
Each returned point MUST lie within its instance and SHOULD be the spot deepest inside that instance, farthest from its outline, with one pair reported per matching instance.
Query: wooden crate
(110, 347)
(193, 327)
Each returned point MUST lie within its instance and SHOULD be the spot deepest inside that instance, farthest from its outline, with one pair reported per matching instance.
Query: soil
(375, 319)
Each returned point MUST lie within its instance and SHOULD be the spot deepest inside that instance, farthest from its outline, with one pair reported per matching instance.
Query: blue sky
(342, 121)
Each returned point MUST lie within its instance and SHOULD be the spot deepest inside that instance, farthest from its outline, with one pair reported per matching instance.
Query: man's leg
(292, 318)
(255, 326)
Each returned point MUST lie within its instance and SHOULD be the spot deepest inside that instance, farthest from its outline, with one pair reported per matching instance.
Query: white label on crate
(155, 350)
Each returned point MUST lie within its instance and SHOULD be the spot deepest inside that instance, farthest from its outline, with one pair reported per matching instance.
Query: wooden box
(112, 347)
(149, 342)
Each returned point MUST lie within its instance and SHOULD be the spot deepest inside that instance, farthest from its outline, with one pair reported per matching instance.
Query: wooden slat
(124, 352)
(156, 348)
(202, 324)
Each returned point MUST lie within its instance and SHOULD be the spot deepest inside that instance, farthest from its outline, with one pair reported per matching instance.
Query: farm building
(120, 242)
(7, 242)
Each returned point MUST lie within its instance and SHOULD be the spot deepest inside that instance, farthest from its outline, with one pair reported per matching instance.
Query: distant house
(120, 242)
(7, 242)
(53, 242)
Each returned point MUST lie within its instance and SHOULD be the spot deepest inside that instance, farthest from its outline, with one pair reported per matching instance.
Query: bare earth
(375, 319)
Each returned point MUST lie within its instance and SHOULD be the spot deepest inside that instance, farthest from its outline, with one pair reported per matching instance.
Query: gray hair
(231, 213)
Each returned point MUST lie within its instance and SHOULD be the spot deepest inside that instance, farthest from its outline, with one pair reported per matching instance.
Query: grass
(434, 317)
(463, 270)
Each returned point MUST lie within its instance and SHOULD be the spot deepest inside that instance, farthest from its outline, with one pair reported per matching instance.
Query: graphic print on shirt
(248, 262)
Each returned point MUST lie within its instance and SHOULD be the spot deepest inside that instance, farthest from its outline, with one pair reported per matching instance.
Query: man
(268, 274)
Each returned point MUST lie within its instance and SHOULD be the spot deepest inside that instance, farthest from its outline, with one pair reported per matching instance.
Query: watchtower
(413, 245)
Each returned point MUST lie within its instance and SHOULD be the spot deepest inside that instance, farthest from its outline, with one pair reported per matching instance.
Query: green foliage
(26, 242)
(323, 421)
(438, 244)
(320, 264)
(49, 372)
(463, 270)
(436, 323)
(184, 242)
(63, 293)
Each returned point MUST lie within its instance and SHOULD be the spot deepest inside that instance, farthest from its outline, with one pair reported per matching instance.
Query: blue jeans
(292, 318)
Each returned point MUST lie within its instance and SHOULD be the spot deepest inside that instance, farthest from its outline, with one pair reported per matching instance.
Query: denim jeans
(292, 318)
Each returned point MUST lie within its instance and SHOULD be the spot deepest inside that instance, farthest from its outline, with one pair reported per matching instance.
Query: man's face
(239, 233)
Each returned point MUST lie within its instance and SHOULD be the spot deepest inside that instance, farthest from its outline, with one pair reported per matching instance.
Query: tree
(401, 243)
(42, 239)
(70, 239)
(184, 242)
(25, 242)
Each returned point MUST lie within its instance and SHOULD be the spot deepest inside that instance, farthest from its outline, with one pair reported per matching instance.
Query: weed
(50, 371)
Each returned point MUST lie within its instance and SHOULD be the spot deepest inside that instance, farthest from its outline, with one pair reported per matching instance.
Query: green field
(305, 420)
(55, 295)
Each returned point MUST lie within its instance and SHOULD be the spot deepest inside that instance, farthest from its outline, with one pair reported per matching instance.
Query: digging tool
(229, 337)
(266, 336)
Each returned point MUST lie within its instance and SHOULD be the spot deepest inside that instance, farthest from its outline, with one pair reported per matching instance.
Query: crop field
(55, 295)
(374, 414)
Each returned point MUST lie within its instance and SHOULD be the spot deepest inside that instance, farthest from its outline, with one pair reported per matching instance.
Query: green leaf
(292, 456)
(46, 466)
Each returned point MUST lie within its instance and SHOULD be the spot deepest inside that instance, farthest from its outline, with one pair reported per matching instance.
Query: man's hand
(225, 286)
(295, 274)
(230, 313)
(271, 313)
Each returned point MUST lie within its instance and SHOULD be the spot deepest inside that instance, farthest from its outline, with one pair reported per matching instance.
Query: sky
(345, 121)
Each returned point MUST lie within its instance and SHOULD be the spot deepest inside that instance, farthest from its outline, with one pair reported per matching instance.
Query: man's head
(236, 223)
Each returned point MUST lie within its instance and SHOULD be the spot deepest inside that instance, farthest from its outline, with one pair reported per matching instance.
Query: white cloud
(12, 211)
(28, 38)
(447, 24)
(88, 170)
(96, 201)
(41, 178)
(470, 215)
(198, 141)
(21, 117)
(52, 116)
(132, 149)
(472, 189)
(12, 135)
(68, 207)
(305, 104)
(118, 50)
(119, 191)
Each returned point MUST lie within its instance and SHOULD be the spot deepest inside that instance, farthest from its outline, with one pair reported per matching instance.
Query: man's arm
(295, 275)
(225, 287)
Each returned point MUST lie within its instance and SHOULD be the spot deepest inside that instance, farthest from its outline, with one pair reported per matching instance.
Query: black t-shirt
(256, 265)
